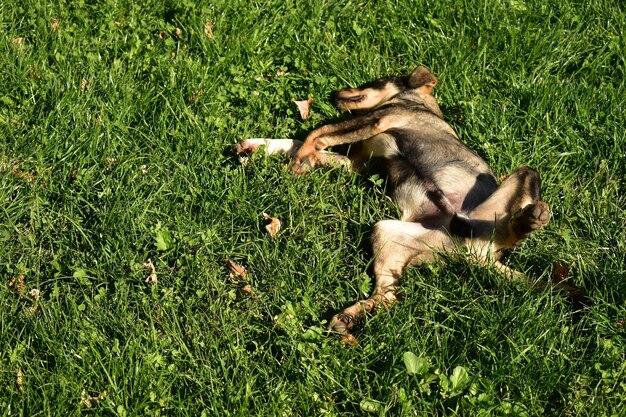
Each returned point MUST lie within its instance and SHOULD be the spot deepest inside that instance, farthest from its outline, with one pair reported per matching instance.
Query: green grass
(115, 143)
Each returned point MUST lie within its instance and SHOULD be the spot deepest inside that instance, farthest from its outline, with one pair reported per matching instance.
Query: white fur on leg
(272, 146)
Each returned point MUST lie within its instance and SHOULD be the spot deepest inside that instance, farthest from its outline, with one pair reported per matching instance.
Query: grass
(116, 121)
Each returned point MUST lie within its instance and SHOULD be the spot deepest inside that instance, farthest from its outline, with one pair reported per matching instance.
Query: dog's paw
(341, 323)
(248, 146)
(305, 158)
(302, 166)
(532, 217)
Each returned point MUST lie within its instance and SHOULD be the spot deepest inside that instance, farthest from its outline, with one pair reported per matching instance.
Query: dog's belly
(417, 191)
(464, 186)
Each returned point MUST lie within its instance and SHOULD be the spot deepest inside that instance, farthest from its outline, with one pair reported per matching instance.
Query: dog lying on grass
(447, 194)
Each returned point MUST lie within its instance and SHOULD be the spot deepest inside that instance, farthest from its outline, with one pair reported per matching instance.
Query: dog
(448, 197)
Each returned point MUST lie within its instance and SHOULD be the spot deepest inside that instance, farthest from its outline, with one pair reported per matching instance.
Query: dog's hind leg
(505, 219)
(510, 214)
(396, 245)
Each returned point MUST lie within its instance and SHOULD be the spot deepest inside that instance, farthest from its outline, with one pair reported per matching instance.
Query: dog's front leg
(271, 146)
(353, 130)
(289, 147)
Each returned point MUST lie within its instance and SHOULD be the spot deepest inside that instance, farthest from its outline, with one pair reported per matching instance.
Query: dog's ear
(423, 80)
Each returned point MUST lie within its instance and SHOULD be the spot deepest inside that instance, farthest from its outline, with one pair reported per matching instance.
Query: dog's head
(419, 83)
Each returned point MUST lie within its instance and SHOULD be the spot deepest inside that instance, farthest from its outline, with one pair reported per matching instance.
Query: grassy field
(116, 125)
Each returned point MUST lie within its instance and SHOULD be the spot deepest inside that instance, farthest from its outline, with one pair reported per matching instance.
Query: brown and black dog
(447, 194)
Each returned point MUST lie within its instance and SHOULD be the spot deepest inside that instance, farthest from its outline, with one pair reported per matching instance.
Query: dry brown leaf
(208, 30)
(89, 401)
(55, 24)
(235, 271)
(20, 381)
(350, 340)
(23, 175)
(73, 175)
(18, 283)
(195, 95)
(84, 85)
(34, 73)
(303, 107)
(561, 271)
(152, 278)
(272, 224)
(33, 310)
(10, 120)
(246, 290)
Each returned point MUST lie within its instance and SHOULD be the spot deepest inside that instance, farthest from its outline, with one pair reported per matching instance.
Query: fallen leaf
(10, 120)
(350, 340)
(561, 271)
(303, 107)
(18, 283)
(272, 224)
(208, 30)
(22, 175)
(246, 290)
(84, 85)
(237, 275)
(55, 24)
(152, 278)
(235, 271)
(195, 95)
(89, 401)
(34, 73)
(20, 381)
